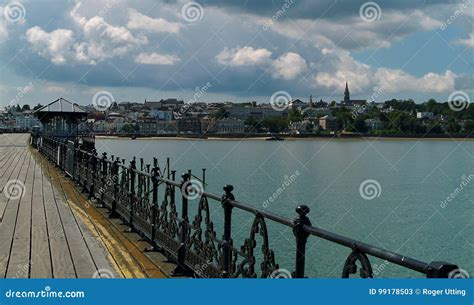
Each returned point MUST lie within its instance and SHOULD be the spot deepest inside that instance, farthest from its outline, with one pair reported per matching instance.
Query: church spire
(347, 95)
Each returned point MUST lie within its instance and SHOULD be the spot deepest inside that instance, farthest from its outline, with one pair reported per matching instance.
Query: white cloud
(138, 21)
(56, 45)
(156, 59)
(246, 56)
(288, 66)
(102, 40)
(398, 80)
(3, 31)
(468, 41)
(345, 69)
(94, 41)
(354, 32)
(363, 78)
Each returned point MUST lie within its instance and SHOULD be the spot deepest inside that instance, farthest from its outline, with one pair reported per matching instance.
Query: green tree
(127, 128)
(469, 126)
(453, 127)
(220, 113)
(294, 115)
(359, 125)
(275, 124)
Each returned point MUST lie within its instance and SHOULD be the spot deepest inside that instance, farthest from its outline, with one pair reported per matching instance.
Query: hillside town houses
(172, 116)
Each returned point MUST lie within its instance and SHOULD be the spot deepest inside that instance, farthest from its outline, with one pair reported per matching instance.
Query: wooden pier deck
(45, 228)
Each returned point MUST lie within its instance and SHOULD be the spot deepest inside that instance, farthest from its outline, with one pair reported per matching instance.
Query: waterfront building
(258, 112)
(230, 125)
(304, 127)
(208, 125)
(166, 127)
(373, 124)
(25, 122)
(146, 126)
(163, 115)
(424, 115)
(328, 123)
(189, 125)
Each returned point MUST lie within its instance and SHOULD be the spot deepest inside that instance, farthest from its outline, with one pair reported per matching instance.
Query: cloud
(58, 45)
(3, 31)
(156, 59)
(394, 80)
(288, 66)
(246, 56)
(353, 33)
(469, 42)
(138, 21)
(300, 51)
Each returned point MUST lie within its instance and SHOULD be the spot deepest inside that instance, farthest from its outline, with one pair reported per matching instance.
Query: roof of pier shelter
(61, 105)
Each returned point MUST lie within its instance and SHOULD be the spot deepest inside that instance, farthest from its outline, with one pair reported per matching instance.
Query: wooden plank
(61, 259)
(7, 154)
(82, 260)
(19, 263)
(40, 251)
(92, 237)
(11, 173)
(7, 227)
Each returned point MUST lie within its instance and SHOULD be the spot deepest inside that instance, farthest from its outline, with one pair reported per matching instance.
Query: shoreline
(286, 137)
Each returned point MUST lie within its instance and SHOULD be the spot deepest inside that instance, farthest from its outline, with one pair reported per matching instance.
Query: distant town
(297, 117)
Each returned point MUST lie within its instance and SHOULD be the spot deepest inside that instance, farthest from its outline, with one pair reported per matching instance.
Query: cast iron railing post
(103, 180)
(93, 166)
(154, 202)
(227, 197)
(133, 167)
(115, 177)
(301, 239)
(440, 270)
(185, 185)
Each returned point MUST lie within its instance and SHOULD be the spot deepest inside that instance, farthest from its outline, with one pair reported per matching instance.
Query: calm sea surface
(407, 217)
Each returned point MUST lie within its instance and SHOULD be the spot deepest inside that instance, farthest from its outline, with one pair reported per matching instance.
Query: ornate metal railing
(145, 198)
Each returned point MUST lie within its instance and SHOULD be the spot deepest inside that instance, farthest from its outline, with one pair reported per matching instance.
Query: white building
(424, 115)
(162, 115)
(26, 122)
(228, 125)
(373, 124)
(261, 112)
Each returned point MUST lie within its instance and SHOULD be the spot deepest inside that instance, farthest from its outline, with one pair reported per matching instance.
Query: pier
(161, 208)
(47, 230)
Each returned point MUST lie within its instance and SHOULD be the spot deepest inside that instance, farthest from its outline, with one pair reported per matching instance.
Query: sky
(234, 50)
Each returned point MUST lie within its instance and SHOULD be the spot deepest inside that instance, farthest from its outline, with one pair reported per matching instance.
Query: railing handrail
(301, 225)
